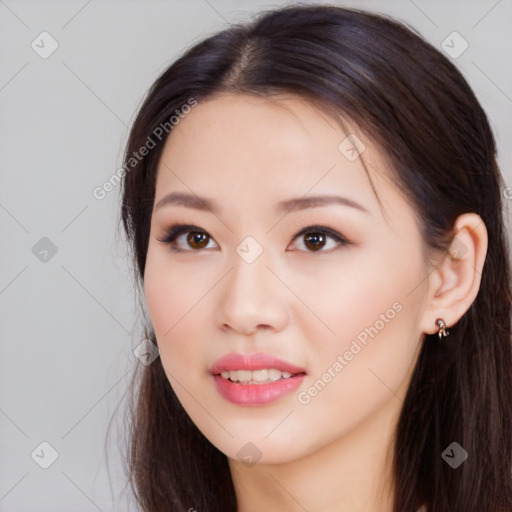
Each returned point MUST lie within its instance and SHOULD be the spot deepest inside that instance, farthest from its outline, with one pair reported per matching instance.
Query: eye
(196, 238)
(314, 238)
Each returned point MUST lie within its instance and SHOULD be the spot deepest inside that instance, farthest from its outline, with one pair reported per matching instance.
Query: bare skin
(305, 303)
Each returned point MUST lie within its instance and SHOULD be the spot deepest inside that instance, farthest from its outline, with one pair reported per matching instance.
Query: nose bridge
(250, 294)
(250, 275)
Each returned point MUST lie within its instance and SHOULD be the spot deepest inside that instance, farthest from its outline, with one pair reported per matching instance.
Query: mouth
(255, 379)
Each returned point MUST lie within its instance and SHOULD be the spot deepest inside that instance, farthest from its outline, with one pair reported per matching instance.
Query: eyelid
(176, 230)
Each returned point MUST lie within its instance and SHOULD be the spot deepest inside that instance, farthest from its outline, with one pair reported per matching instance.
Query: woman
(314, 208)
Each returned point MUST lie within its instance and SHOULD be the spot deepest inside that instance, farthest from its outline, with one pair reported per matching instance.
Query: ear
(454, 283)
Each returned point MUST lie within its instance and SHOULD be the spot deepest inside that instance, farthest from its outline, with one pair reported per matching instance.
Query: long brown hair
(412, 101)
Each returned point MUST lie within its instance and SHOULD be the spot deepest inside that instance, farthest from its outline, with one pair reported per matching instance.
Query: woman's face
(338, 304)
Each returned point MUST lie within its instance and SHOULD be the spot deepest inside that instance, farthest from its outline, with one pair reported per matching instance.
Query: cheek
(170, 291)
(172, 299)
(367, 340)
(355, 295)
(363, 370)
(176, 302)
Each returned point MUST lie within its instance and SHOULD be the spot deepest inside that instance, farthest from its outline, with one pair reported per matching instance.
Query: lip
(255, 394)
(256, 361)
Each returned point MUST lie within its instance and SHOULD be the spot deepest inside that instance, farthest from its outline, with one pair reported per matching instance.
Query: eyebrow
(300, 203)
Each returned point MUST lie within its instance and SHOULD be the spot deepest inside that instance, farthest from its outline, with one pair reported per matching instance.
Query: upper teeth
(269, 375)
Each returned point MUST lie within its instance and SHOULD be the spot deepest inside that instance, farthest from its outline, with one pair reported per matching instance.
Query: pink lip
(257, 361)
(255, 394)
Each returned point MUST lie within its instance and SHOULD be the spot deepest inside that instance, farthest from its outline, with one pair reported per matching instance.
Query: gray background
(68, 320)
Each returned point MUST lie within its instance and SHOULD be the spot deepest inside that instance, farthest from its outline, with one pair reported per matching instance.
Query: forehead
(287, 128)
(241, 147)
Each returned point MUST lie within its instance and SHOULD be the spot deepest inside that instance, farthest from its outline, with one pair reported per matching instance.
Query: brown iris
(197, 240)
(314, 241)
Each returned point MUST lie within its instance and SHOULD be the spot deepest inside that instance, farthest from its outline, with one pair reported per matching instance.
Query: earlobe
(454, 283)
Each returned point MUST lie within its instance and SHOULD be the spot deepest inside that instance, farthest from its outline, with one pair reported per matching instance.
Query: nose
(252, 298)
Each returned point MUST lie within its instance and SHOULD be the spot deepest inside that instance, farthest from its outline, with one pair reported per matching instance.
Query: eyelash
(174, 231)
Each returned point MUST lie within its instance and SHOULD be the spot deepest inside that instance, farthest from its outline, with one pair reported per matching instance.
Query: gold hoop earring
(442, 328)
